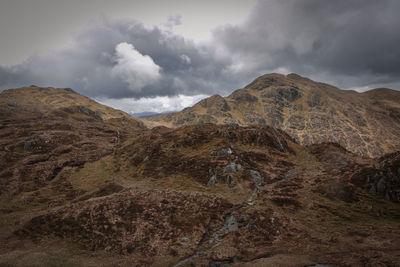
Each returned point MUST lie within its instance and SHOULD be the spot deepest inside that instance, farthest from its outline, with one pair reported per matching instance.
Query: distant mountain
(311, 112)
(45, 101)
(149, 114)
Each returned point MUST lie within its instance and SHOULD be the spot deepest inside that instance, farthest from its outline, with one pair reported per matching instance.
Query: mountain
(364, 123)
(44, 130)
(148, 114)
(49, 100)
(82, 184)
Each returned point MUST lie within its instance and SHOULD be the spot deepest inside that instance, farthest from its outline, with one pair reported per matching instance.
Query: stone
(381, 186)
(185, 239)
(229, 181)
(257, 178)
(146, 159)
(222, 152)
(212, 180)
(232, 168)
(290, 174)
(28, 145)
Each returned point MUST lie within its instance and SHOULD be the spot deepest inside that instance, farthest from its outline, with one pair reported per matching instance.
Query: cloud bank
(348, 43)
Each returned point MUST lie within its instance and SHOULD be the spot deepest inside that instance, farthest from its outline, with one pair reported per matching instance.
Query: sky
(164, 55)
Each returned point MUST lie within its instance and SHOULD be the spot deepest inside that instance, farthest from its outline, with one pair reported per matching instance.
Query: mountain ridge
(82, 184)
(311, 112)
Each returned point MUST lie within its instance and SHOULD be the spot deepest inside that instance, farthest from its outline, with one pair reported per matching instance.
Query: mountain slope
(47, 100)
(209, 195)
(85, 185)
(44, 130)
(311, 112)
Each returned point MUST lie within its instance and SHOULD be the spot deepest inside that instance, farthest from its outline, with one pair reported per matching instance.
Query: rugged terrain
(86, 185)
(364, 123)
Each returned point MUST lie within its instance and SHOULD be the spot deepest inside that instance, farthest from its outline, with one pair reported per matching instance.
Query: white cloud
(186, 59)
(152, 104)
(134, 68)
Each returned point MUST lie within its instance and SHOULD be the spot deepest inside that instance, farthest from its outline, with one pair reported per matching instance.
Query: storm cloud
(123, 58)
(353, 44)
(346, 42)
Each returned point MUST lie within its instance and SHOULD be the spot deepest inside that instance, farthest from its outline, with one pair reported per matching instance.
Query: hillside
(210, 195)
(365, 123)
(44, 130)
(82, 184)
(35, 99)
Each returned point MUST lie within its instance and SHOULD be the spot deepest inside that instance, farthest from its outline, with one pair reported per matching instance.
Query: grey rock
(229, 181)
(257, 178)
(85, 110)
(381, 186)
(28, 145)
(290, 174)
(212, 180)
(232, 168)
(14, 105)
(146, 159)
(379, 165)
(233, 125)
(185, 239)
(222, 152)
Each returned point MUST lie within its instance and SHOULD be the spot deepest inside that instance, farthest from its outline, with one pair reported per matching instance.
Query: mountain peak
(311, 112)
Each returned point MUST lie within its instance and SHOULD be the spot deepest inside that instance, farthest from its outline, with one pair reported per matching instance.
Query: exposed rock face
(383, 178)
(364, 123)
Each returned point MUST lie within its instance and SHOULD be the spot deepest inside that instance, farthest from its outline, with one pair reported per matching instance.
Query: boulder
(232, 168)
(229, 181)
(212, 180)
(257, 178)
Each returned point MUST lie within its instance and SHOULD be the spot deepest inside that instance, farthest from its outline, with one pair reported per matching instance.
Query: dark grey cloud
(87, 66)
(344, 41)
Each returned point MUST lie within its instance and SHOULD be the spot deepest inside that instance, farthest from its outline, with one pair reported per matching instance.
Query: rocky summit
(86, 185)
(367, 124)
